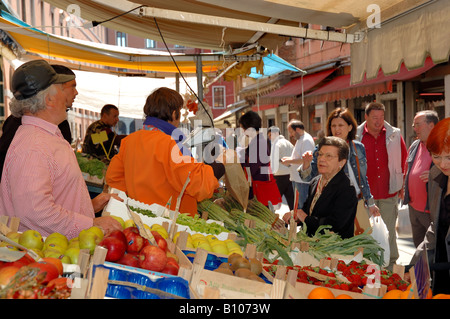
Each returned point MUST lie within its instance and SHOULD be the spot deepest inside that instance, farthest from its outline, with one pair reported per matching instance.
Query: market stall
(223, 253)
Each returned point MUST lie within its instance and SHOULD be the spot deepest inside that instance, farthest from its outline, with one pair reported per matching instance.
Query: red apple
(162, 243)
(152, 258)
(50, 270)
(172, 261)
(119, 234)
(170, 269)
(129, 259)
(116, 248)
(7, 273)
(134, 239)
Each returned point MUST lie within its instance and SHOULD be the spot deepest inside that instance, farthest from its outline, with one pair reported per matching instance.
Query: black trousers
(285, 187)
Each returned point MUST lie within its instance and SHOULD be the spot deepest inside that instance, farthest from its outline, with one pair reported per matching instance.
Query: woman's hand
(300, 216)
(307, 159)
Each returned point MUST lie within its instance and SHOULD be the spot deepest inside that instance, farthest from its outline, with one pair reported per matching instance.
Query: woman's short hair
(162, 102)
(347, 116)
(250, 119)
(439, 138)
(342, 146)
(33, 104)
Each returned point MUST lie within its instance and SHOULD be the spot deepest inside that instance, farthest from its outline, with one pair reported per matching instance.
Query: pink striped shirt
(42, 182)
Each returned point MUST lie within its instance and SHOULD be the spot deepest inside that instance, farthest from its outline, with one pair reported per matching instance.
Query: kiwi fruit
(240, 263)
(224, 265)
(243, 272)
(255, 277)
(232, 257)
(224, 271)
(255, 266)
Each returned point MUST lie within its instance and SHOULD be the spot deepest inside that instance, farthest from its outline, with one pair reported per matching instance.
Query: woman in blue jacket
(341, 123)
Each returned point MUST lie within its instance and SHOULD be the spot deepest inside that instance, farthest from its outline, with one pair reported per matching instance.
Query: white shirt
(281, 147)
(304, 143)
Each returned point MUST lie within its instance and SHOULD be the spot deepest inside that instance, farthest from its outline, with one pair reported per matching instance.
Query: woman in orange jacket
(153, 165)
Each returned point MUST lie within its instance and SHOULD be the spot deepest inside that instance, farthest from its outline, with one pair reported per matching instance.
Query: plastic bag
(381, 234)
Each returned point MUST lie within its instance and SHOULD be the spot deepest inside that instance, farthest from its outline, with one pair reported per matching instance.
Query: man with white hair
(41, 182)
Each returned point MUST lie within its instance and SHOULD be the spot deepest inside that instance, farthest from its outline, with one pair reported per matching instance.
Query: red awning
(340, 88)
(294, 87)
(289, 92)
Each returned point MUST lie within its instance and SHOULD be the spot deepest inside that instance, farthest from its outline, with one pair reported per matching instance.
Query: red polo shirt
(377, 163)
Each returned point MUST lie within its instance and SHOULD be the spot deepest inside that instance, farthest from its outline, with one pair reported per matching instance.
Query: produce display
(349, 277)
(129, 249)
(90, 165)
(211, 243)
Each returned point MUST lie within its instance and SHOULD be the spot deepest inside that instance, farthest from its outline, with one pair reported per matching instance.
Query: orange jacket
(150, 168)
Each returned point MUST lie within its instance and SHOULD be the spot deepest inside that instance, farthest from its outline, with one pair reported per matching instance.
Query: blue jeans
(302, 192)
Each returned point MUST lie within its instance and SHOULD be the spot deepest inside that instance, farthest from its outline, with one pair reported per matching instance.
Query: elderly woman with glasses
(332, 199)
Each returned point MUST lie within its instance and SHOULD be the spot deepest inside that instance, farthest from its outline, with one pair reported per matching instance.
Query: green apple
(14, 236)
(31, 239)
(7, 245)
(74, 243)
(52, 253)
(73, 254)
(120, 220)
(88, 240)
(57, 239)
(66, 259)
(61, 248)
(97, 231)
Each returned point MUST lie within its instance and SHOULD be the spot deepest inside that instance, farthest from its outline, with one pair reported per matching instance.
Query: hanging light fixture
(289, 42)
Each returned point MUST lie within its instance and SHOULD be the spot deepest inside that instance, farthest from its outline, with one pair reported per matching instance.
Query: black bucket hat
(35, 76)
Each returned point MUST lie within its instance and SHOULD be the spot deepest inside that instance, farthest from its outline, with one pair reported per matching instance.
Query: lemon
(129, 223)
(204, 245)
(220, 249)
(161, 230)
(120, 220)
(197, 235)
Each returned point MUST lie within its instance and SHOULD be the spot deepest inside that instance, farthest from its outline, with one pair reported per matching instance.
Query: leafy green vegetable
(92, 166)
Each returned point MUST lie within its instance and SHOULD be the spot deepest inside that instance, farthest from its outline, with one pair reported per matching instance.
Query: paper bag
(236, 183)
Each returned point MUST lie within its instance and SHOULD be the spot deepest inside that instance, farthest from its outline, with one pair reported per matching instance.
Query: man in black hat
(12, 123)
(42, 183)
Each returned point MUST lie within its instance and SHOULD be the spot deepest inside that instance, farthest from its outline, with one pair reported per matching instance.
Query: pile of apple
(129, 248)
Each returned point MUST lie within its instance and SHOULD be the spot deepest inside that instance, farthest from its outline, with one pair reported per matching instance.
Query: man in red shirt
(386, 155)
(417, 169)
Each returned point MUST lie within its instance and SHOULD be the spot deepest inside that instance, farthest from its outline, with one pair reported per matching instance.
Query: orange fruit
(7, 274)
(344, 296)
(55, 261)
(441, 296)
(393, 294)
(405, 294)
(321, 293)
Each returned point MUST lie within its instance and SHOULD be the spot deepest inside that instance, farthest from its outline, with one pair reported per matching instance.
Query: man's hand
(100, 201)
(107, 224)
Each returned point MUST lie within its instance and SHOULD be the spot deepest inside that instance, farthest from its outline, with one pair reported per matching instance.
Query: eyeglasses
(326, 156)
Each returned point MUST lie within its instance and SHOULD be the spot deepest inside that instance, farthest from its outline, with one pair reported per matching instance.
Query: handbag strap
(357, 164)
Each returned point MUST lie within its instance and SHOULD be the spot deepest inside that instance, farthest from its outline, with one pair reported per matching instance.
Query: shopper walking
(386, 155)
(304, 143)
(418, 167)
